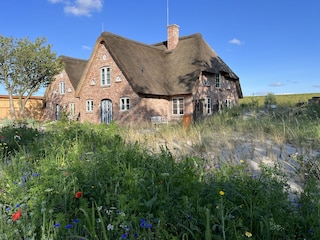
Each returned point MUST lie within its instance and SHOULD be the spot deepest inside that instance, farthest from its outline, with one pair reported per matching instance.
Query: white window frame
(228, 103)
(178, 106)
(124, 104)
(72, 108)
(208, 105)
(105, 76)
(218, 80)
(89, 105)
(62, 88)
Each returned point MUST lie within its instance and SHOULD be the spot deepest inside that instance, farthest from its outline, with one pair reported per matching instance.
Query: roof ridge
(106, 34)
(72, 58)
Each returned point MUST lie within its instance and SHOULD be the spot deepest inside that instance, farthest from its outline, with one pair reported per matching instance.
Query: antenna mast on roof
(167, 12)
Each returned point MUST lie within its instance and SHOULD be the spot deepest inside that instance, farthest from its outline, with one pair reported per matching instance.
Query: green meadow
(210, 180)
(284, 99)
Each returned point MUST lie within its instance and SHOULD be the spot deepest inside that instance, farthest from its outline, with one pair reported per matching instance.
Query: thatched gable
(74, 68)
(153, 70)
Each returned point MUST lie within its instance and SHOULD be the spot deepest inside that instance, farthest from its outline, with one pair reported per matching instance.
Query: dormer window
(105, 76)
(218, 80)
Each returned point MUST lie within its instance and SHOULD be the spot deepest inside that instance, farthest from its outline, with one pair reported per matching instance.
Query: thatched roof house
(155, 70)
(123, 77)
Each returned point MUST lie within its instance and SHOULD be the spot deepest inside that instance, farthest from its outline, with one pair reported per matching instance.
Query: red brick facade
(58, 101)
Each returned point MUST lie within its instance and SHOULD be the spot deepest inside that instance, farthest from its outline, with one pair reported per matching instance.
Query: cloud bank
(80, 7)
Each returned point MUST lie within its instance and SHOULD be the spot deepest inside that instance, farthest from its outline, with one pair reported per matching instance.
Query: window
(177, 106)
(62, 88)
(124, 104)
(105, 76)
(208, 106)
(71, 109)
(228, 103)
(89, 106)
(218, 80)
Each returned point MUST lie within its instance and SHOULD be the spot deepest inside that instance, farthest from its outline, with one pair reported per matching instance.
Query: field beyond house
(243, 173)
(284, 99)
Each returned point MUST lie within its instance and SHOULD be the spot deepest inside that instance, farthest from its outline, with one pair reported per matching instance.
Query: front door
(106, 111)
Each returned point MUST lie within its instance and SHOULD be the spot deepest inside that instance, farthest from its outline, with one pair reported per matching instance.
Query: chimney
(173, 36)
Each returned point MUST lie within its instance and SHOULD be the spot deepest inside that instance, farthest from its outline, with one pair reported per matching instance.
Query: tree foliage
(25, 67)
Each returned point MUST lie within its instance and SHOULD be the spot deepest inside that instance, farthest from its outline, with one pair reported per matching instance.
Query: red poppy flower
(78, 194)
(16, 215)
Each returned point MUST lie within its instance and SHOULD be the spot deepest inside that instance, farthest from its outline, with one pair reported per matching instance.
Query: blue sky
(272, 45)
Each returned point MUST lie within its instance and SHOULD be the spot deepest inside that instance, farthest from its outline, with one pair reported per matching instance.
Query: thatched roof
(74, 67)
(153, 70)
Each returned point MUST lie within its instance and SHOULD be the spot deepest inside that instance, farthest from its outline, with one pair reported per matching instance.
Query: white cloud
(276, 84)
(236, 41)
(80, 7)
(84, 47)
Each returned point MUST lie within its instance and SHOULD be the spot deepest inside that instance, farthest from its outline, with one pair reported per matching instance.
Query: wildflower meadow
(84, 181)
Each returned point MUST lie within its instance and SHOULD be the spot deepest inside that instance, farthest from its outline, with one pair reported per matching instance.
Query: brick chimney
(173, 36)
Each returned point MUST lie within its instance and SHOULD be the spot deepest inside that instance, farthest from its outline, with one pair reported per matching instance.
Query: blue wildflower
(124, 236)
(17, 205)
(8, 209)
(69, 226)
(57, 225)
(142, 222)
(75, 220)
(23, 178)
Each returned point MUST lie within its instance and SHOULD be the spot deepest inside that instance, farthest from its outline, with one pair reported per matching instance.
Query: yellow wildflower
(221, 193)
(248, 234)
(241, 161)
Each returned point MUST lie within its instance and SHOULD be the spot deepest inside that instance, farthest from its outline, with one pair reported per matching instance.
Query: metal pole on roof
(167, 12)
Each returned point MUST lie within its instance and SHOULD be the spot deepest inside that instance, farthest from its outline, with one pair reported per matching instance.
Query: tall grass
(79, 181)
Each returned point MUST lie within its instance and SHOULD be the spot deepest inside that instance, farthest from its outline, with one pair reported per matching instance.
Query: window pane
(174, 106)
(62, 88)
(128, 104)
(178, 106)
(102, 76)
(217, 80)
(181, 105)
(108, 76)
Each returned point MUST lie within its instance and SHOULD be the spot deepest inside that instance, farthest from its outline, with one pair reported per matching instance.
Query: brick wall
(53, 97)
